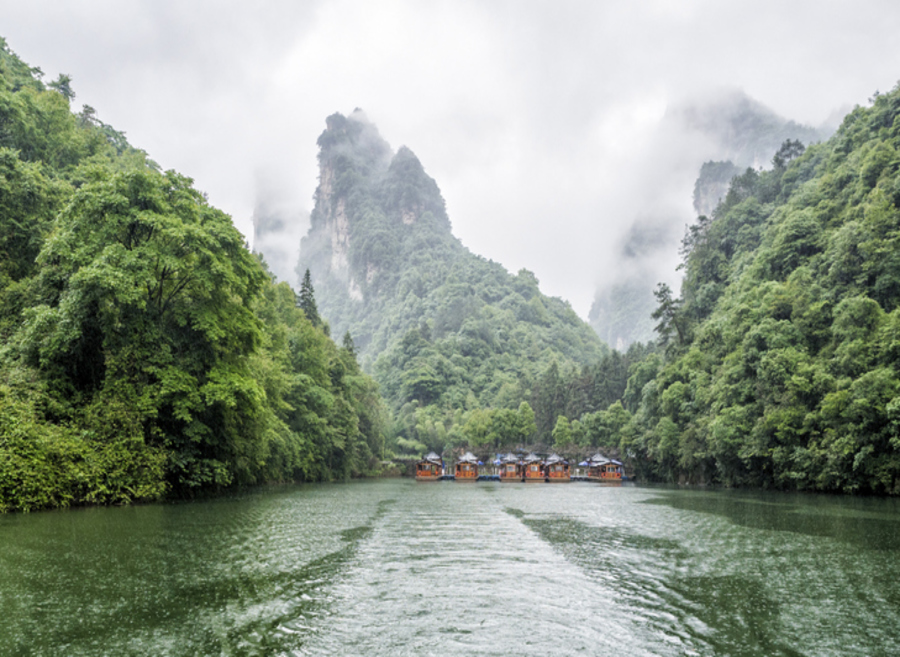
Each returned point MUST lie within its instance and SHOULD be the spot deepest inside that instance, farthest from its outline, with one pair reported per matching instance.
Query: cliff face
(350, 150)
(368, 203)
(712, 185)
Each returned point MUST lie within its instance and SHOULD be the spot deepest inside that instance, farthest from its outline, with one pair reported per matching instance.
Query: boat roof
(431, 457)
(555, 458)
(509, 458)
(468, 457)
(598, 459)
(531, 458)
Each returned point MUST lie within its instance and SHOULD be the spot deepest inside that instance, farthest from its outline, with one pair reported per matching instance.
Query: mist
(280, 220)
(565, 139)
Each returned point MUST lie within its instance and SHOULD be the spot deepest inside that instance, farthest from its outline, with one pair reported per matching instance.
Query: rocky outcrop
(339, 229)
(368, 200)
(712, 185)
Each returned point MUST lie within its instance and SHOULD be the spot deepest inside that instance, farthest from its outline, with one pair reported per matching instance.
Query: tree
(347, 344)
(307, 300)
(562, 433)
(526, 424)
(790, 149)
(27, 205)
(144, 301)
(668, 314)
(63, 84)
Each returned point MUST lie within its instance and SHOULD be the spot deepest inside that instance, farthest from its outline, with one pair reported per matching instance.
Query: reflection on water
(400, 568)
(866, 522)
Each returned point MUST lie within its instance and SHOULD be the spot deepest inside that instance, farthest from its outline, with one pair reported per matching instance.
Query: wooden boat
(430, 468)
(603, 469)
(467, 467)
(556, 469)
(534, 469)
(510, 468)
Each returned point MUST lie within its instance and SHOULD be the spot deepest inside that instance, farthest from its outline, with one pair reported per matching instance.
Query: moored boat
(467, 467)
(556, 469)
(603, 469)
(534, 469)
(430, 468)
(510, 468)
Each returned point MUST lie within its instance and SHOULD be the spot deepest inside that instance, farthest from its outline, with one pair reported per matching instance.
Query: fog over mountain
(546, 124)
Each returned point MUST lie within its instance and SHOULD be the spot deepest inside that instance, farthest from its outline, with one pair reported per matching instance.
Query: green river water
(395, 567)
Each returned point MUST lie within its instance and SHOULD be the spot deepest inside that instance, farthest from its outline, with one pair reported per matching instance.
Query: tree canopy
(782, 370)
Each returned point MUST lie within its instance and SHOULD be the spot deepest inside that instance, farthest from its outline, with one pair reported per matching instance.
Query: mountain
(782, 352)
(740, 129)
(446, 332)
(703, 143)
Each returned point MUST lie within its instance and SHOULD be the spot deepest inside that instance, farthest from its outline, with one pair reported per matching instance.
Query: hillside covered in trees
(457, 344)
(144, 351)
(782, 352)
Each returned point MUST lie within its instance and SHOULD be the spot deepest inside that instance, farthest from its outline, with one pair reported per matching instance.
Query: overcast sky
(537, 119)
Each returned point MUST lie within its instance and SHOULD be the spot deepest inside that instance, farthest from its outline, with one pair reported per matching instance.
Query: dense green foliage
(781, 353)
(145, 350)
(455, 341)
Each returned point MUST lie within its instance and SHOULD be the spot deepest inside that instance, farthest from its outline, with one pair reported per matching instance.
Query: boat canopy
(598, 459)
(431, 457)
(532, 458)
(509, 458)
(555, 458)
(468, 457)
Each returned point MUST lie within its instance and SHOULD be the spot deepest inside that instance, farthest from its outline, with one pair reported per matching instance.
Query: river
(395, 567)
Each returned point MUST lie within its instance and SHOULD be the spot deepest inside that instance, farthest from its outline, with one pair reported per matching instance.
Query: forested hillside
(782, 351)
(145, 351)
(457, 343)
(732, 130)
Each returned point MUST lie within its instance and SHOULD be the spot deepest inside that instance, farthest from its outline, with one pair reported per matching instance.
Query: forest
(778, 361)
(146, 352)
